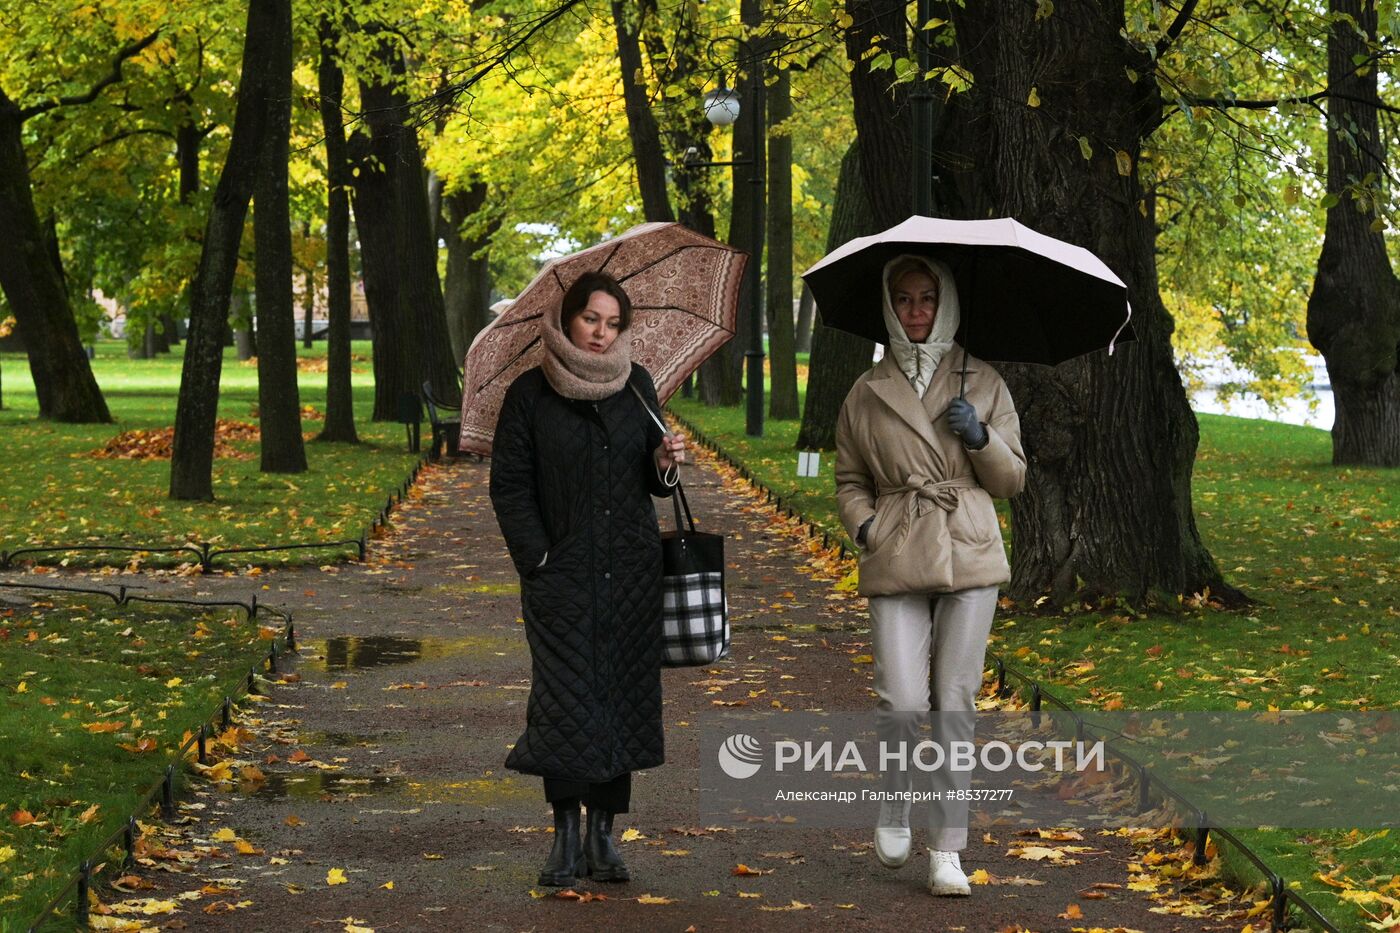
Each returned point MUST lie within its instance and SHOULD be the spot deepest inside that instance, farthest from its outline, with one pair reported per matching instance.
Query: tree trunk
(372, 190)
(308, 309)
(721, 378)
(687, 126)
(647, 154)
(881, 114)
(33, 286)
(279, 400)
(188, 140)
(425, 351)
(340, 401)
(245, 344)
(308, 296)
(191, 464)
(782, 354)
(677, 64)
(468, 287)
(805, 308)
(838, 358)
(1111, 440)
(1354, 309)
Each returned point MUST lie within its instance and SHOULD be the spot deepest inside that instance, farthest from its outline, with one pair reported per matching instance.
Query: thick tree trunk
(677, 64)
(191, 465)
(372, 189)
(340, 401)
(838, 358)
(1354, 309)
(881, 114)
(468, 287)
(782, 354)
(33, 286)
(1111, 440)
(425, 352)
(647, 153)
(279, 400)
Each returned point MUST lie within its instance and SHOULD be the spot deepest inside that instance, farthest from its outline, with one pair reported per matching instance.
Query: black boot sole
(610, 875)
(561, 880)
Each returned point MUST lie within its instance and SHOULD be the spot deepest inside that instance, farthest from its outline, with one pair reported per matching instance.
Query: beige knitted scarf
(583, 374)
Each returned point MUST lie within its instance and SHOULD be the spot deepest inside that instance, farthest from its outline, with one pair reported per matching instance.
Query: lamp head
(722, 106)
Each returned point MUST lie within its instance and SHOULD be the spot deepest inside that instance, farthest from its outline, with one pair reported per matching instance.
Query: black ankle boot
(566, 861)
(604, 861)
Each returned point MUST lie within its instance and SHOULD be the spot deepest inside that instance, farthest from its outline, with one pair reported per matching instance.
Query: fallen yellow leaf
(336, 876)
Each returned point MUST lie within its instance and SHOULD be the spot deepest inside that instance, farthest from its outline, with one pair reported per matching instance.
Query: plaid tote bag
(694, 609)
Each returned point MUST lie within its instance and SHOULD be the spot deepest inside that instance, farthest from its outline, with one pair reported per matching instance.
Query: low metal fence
(163, 790)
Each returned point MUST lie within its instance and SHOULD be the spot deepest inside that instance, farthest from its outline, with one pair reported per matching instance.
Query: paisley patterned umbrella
(685, 298)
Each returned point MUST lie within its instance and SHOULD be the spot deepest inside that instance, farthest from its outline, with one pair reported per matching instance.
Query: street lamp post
(722, 108)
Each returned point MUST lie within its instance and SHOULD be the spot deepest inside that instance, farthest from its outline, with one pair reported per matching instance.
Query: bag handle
(672, 476)
(677, 491)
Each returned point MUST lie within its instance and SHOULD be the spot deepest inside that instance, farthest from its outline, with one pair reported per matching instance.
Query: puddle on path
(317, 784)
(477, 792)
(349, 739)
(508, 587)
(356, 652)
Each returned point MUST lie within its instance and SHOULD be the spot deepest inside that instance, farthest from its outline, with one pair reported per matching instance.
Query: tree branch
(447, 95)
(1174, 31)
(131, 50)
(124, 134)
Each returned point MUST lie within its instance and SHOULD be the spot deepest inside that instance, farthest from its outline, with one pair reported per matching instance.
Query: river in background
(1316, 412)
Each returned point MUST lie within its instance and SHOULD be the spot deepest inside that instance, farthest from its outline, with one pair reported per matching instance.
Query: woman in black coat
(574, 464)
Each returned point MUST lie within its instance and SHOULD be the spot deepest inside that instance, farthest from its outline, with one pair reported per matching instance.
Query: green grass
(1314, 545)
(54, 491)
(94, 700)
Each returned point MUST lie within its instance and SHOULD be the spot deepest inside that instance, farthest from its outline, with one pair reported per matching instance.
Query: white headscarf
(918, 360)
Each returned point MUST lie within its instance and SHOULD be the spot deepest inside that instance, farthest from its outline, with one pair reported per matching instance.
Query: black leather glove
(962, 418)
(863, 531)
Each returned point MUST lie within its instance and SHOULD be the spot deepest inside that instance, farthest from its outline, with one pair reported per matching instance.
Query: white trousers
(945, 634)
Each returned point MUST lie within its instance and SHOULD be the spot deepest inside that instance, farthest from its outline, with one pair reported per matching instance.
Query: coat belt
(921, 494)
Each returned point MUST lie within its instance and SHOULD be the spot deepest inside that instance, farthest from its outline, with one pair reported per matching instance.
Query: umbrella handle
(962, 376)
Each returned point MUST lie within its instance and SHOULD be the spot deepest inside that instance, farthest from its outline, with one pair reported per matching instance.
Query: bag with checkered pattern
(694, 608)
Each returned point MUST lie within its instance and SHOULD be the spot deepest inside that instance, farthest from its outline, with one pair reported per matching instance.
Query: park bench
(445, 432)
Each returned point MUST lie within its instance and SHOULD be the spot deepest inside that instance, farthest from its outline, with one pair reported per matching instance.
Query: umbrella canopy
(1025, 297)
(684, 289)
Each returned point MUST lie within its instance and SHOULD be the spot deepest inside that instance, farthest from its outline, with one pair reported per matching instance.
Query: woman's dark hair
(576, 298)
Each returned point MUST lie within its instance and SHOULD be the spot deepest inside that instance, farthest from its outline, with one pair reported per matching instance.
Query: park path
(383, 759)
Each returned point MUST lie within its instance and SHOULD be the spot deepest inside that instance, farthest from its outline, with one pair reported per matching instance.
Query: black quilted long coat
(575, 479)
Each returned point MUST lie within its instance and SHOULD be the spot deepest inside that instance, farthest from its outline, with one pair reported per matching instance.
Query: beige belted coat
(935, 528)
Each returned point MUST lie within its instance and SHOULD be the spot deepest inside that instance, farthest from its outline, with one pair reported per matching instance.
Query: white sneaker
(892, 835)
(945, 874)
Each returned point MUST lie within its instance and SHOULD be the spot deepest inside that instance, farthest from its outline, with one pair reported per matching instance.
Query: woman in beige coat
(916, 470)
